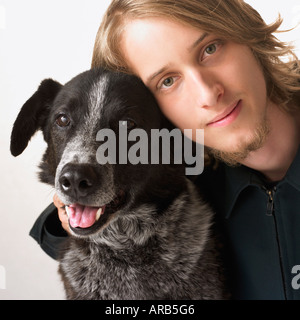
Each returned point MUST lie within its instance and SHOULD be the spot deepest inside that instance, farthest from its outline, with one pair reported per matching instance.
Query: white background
(41, 39)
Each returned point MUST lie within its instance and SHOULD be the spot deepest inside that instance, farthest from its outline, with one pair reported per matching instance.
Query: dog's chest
(94, 274)
(101, 274)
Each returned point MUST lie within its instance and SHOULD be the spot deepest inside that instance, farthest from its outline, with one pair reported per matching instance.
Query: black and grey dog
(139, 231)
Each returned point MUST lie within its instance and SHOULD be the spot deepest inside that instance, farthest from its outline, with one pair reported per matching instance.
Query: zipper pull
(270, 204)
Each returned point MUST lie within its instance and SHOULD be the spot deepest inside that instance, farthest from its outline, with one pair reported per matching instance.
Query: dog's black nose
(78, 180)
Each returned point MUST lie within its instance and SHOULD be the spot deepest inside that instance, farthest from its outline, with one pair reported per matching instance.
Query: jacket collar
(236, 180)
(239, 178)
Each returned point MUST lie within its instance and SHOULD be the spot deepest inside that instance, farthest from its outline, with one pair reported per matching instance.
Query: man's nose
(206, 89)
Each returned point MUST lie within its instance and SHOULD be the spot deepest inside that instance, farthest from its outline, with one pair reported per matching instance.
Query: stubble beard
(235, 158)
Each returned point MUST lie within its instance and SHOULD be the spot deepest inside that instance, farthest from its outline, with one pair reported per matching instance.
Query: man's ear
(30, 117)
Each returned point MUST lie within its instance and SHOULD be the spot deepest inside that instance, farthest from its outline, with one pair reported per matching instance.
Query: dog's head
(86, 123)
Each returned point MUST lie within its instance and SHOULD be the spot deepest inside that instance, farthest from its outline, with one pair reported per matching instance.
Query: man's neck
(279, 150)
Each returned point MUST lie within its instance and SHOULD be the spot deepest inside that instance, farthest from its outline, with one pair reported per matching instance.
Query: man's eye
(168, 82)
(211, 49)
(62, 120)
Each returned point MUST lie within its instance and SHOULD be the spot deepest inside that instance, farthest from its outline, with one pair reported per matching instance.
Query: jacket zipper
(270, 212)
(270, 204)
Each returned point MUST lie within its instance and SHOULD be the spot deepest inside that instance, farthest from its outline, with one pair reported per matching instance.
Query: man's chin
(236, 158)
(232, 159)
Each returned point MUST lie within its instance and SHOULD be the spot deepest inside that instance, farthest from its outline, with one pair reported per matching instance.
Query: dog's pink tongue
(82, 216)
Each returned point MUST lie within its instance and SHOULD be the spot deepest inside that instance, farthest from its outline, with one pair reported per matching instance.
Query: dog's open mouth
(86, 217)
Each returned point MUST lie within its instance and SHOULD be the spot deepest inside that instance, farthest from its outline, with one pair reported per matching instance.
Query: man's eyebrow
(193, 46)
(155, 74)
(198, 41)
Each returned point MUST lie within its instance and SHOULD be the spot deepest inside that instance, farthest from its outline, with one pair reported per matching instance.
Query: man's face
(199, 80)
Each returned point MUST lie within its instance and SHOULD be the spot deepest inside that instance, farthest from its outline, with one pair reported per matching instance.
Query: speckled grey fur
(141, 256)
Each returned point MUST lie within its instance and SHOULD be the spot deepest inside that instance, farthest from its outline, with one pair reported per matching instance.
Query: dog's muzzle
(90, 202)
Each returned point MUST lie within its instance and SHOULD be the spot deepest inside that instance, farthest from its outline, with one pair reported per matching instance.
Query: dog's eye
(130, 124)
(62, 120)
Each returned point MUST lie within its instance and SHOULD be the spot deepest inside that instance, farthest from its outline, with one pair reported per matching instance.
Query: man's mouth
(228, 116)
(83, 217)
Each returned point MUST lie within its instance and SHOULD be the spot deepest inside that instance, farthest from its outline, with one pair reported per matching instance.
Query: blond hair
(233, 20)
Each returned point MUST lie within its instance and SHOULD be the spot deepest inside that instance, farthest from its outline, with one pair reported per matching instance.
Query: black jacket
(262, 227)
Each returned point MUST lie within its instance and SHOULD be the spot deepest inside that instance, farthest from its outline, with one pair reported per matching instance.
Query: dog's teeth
(67, 210)
(98, 214)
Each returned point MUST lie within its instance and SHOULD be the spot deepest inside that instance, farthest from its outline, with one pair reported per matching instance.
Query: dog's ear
(32, 114)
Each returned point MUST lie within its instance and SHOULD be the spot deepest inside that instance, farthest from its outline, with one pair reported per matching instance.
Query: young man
(215, 65)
